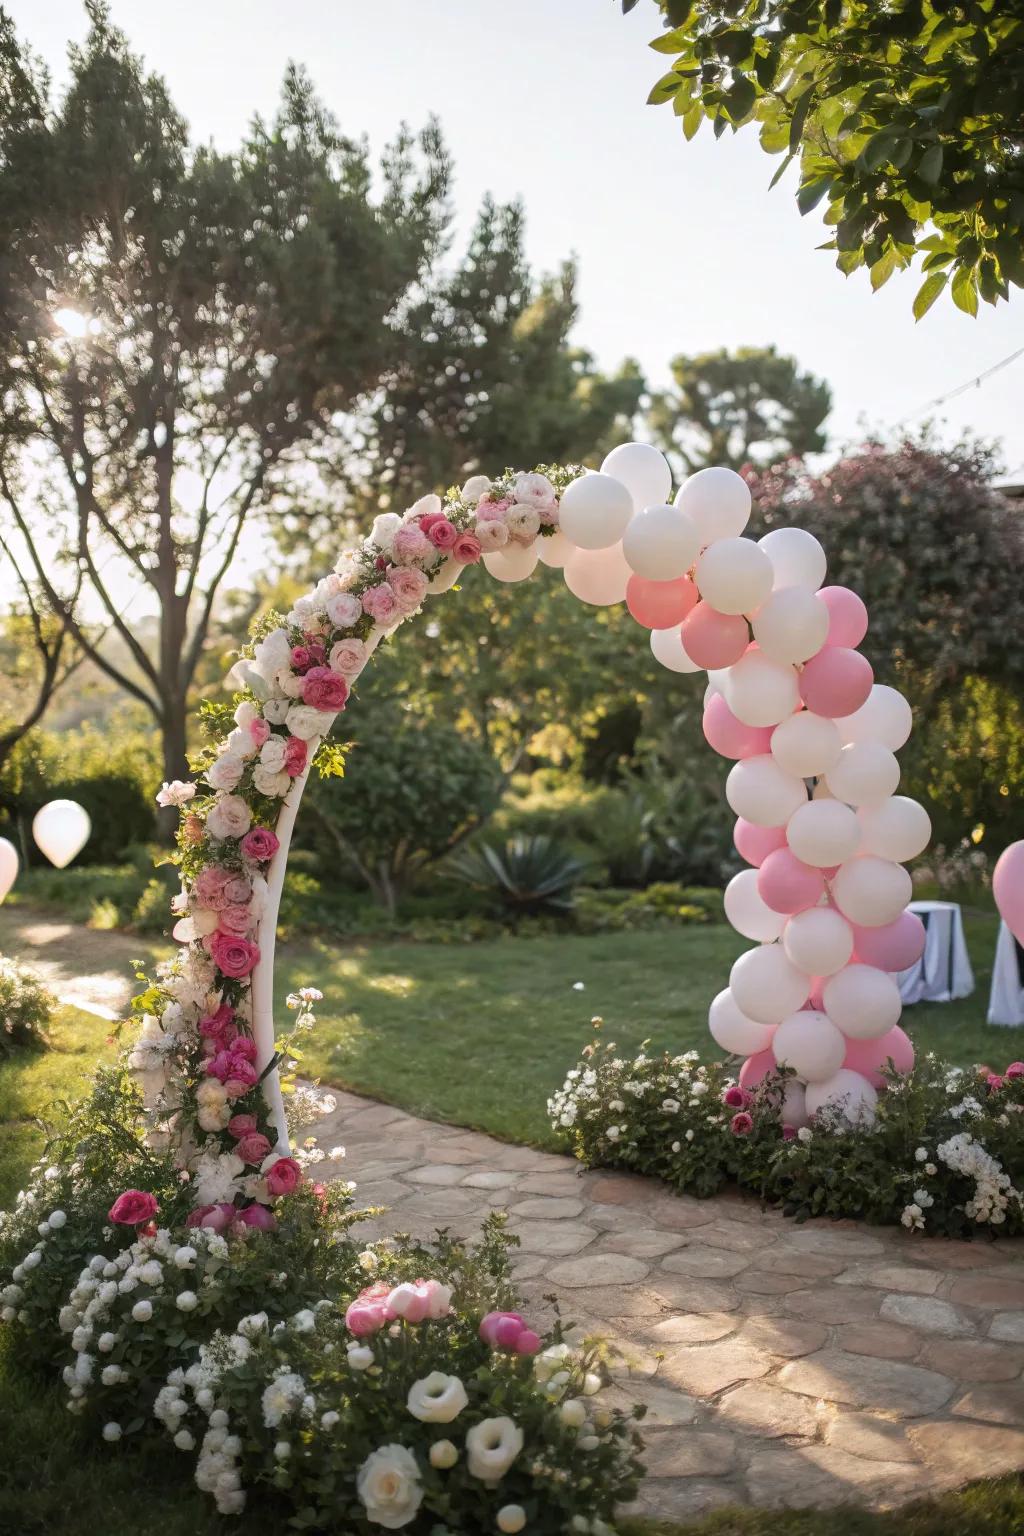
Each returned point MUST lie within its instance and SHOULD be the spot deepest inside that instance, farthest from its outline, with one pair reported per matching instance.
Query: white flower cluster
(993, 1189)
(594, 1097)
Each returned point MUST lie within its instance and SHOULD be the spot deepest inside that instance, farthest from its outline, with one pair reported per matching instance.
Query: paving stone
(705, 1263)
(757, 1408)
(550, 1184)
(785, 1260)
(988, 1291)
(952, 1253)
(963, 1451)
(834, 1304)
(996, 1405)
(437, 1173)
(680, 1214)
(616, 1218)
(528, 1265)
(375, 1168)
(619, 1189)
(451, 1152)
(927, 1314)
(756, 1282)
(643, 1244)
(555, 1240)
(868, 1435)
(490, 1178)
(836, 1240)
(666, 1408)
(387, 1192)
(886, 1341)
(784, 1336)
(892, 1277)
(905, 1391)
(705, 1370)
(541, 1208)
(692, 1328)
(598, 1269)
(787, 1477)
(1009, 1326)
(737, 1236)
(973, 1359)
(683, 1293)
(443, 1204)
(698, 1453)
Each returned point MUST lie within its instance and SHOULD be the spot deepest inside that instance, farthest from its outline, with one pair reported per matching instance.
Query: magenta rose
(380, 603)
(442, 534)
(233, 956)
(467, 549)
(1015, 1069)
(735, 1097)
(215, 1024)
(219, 1065)
(253, 1148)
(241, 1074)
(324, 689)
(216, 1217)
(300, 658)
(409, 587)
(242, 1125)
(245, 1048)
(132, 1208)
(235, 920)
(994, 1082)
(741, 1124)
(284, 1176)
(260, 844)
(259, 1217)
(296, 755)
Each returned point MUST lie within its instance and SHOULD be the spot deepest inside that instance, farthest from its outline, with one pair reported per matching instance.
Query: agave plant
(525, 874)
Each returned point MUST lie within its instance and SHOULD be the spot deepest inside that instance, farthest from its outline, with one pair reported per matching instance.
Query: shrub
(526, 875)
(663, 904)
(26, 1007)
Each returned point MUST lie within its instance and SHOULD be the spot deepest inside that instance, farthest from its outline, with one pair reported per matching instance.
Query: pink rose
(216, 1217)
(253, 1148)
(993, 1082)
(132, 1208)
(242, 1125)
(260, 845)
(236, 920)
(210, 887)
(259, 730)
(241, 1071)
(501, 1329)
(419, 1301)
(467, 549)
(300, 658)
(259, 1217)
(741, 1124)
(296, 755)
(491, 536)
(411, 544)
(427, 520)
(368, 1313)
(789, 1133)
(233, 956)
(380, 603)
(245, 1047)
(736, 1097)
(442, 534)
(348, 657)
(216, 1024)
(1015, 1069)
(324, 689)
(284, 1176)
(523, 523)
(409, 587)
(491, 511)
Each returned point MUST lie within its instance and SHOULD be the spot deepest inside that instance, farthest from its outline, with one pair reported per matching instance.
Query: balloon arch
(790, 700)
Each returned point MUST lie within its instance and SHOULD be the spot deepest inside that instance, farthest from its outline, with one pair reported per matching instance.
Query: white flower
(225, 771)
(492, 1446)
(921, 1154)
(511, 1518)
(106, 1342)
(184, 1441)
(443, 1454)
(388, 1483)
(475, 487)
(142, 1311)
(112, 1432)
(272, 784)
(56, 1220)
(367, 1259)
(613, 1133)
(805, 1133)
(329, 1419)
(272, 753)
(255, 1323)
(305, 721)
(344, 610)
(177, 792)
(573, 1412)
(930, 1169)
(437, 1398)
(228, 817)
(689, 1135)
(282, 1450)
(184, 1257)
(186, 1301)
(385, 526)
(534, 490)
(360, 1357)
(282, 1395)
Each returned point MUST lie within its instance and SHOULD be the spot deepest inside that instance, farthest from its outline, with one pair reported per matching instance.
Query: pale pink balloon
(755, 843)
(729, 736)
(817, 988)
(757, 1067)
(836, 682)
(1008, 888)
(714, 639)
(660, 604)
(787, 885)
(848, 617)
(894, 946)
(870, 1056)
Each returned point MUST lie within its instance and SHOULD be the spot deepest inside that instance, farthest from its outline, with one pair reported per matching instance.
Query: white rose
(142, 1311)
(177, 792)
(385, 526)
(443, 1455)
(184, 1257)
(534, 490)
(186, 1301)
(56, 1220)
(272, 753)
(437, 1398)
(184, 1441)
(306, 722)
(388, 1484)
(272, 653)
(511, 1518)
(274, 711)
(245, 714)
(229, 817)
(272, 784)
(492, 1447)
(573, 1412)
(475, 487)
(360, 1357)
(344, 610)
(106, 1342)
(112, 1432)
(213, 1118)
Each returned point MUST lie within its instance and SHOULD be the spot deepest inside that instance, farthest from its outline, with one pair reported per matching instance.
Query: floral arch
(791, 701)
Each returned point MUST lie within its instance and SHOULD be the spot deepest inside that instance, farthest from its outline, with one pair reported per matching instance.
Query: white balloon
(885, 717)
(806, 744)
(766, 986)
(643, 471)
(61, 829)
(846, 1090)
(759, 791)
(661, 543)
(794, 1104)
(862, 1001)
(597, 576)
(747, 912)
(718, 500)
(554, 550)
(734, 575)
(668, 648)
(824, 833)
(898, 828)
(8, 866)
(791, 624)
(871, 891)
(797, 558)
(718, 677)
(809, 1042)
(866, 773)
(733, 1031)
(819, 941)
(595, 511)
(514, 562)
(760, 691)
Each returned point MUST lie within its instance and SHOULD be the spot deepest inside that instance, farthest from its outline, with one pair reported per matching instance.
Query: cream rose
(305, 721)
(229, 817)
(388, 1484)
(272, 754)
(437, 1398)
(267, 783)
(225, 771)
(492, 1447)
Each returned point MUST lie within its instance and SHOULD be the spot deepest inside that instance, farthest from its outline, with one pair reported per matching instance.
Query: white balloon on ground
(718, 500)
(898, 828)
(885, 717)
(865, 774)
(733, 1031)
(597, 576)
(514, 562)
(643, 470)
(668, 648)
(871, 891)
(846, 1090)
(758, 790)
(791, 624)
(824, 833)
(61, 829)
(794, 1104)
(797, 558)
(554, 550)
(595, 511)
(747, 912)
(9, 863)
(863, 1001)
(809, 1042)
(806, 744)
(766, 986)
(819, 940)
(760, 691)
(734, 576)
(661, 543)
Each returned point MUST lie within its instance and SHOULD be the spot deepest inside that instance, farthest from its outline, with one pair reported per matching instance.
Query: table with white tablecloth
(1006, 997)
(944, 970)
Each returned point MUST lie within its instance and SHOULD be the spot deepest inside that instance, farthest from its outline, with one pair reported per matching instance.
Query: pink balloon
(729, 736)
(816, 999)
(755, 843)
(848, 617)
(757, 1067)
(714, 639)
(835, 682)
(786, 884)
(660, 604)
(892, 947)
(1008, 888)
(870, 1056)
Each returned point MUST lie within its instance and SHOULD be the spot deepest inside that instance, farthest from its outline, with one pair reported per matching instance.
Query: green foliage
(525, 875)
(905, 119)
(26, 1008)
(663, 904)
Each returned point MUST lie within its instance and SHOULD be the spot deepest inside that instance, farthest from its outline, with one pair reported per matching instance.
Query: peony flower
(177, 792)
(253, 1147)
(385, 526)
(442, 534)
(344, 610)
(419, 1301)
(349, 657)
(741, 1124)
(132, 1208)
(235, 920)
(388, 1484)
(272, 753)
(260, 845)
(411, 544)
(523, 523)
(491, 535)
(325, 689)
(534, 491)
(242, 1125)
(409, 587)
(437, 1398)
(467, 549)
(210, 888)
(492, 1446)
(233, 956)
(229, 817)
(283, 1176)
(380, 603)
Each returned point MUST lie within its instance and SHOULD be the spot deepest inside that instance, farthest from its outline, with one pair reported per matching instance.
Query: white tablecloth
(944, 970)
(1006, 999)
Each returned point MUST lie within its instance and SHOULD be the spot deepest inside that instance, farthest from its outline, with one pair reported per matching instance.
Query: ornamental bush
(26, 1007)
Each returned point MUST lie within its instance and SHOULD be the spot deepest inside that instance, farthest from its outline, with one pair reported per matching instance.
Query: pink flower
(245, 1048)
(741, 1124)
(238, 891)
(348, 657)
(215, 1024)
(259, 1217)
(242, 1125)
(259, 730)
(420, 1300)
(241, 1076)
(789, 1133)
(490, 510)
(426, 520)
(284, 1176)
(368, 1313)
(380, 603)
(409, 587)
(467, 549)
(229, 816)
(324, 689)
(508, 1331)
(343, 610)
(253, 1148)
(411, 544)
(233, 956)
(300, 658)
(491, 536)
(210, 887)
(736, 1097)
(235, 920)
(1015, 1069)
(259, 845)
(132, 1208)
(216, 1217)
(296, 755)
(993, 1082)
(442, 534)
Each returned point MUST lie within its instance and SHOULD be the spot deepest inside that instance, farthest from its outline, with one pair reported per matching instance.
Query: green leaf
(664, 89)
(783, 168)
(883, 269)
(670, 42)
(965, 290)
(693, 120)
(877, 150)
(929, 167)
(928, 293)
(800, 111)
(811, 193)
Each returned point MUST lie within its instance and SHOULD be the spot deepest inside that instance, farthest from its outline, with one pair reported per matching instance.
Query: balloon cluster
(813, 738)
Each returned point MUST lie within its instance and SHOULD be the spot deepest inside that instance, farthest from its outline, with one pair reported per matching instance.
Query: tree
(177, 328)
(907, 118)
(750, 406)
(38, 656)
